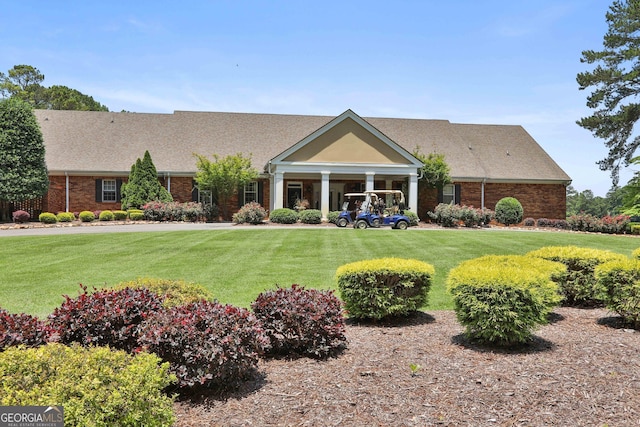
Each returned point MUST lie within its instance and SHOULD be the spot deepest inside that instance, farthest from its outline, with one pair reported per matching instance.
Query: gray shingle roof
(90, 142)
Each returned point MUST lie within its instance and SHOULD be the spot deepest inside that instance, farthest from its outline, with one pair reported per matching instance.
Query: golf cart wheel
(361, 224)
(375, 223)
(402, 225)
(342, 222)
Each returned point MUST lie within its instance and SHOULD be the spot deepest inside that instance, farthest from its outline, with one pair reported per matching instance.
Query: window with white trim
(108, 190)
(251, 192)
(449, 194)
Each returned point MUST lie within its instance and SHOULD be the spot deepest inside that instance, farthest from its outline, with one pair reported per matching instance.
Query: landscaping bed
(583, 369)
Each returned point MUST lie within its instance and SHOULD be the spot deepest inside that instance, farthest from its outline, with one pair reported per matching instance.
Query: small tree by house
(23, 171)
(435, 172)
(143, 185)
(223, 176)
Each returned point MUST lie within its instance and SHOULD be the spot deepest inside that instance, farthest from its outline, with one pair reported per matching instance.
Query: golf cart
(369, 209)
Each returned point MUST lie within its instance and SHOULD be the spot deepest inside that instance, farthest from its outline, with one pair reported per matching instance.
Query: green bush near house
(332, 216)
(65, 217)
(383, 287)
(501, 299)
(508, 211)
(47, 218)
(120, 215)
(621, 279)
(96, 386)
(177, 292)
(578, 285)
(87, 216)
(106, 216)
(283, 216)
(413, 218)
(310, 216)
(135, 214)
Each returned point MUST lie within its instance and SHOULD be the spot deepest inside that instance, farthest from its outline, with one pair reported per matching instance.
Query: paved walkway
(58, 229)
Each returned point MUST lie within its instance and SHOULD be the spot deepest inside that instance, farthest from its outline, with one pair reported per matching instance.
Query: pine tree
(143, 185)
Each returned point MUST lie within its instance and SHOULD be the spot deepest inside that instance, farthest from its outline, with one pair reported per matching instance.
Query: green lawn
(238, 264)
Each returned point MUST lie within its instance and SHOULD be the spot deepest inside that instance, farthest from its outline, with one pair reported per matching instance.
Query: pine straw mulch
(582, 369)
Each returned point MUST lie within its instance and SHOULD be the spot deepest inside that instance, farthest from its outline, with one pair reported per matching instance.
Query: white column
(324, 195)
(370, 176)
(413, 192)
(278, 190)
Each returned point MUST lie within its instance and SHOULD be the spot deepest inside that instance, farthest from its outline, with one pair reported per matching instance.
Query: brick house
(318, 158)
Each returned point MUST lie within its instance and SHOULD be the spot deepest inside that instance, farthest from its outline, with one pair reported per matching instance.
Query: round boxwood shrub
(310, 216)
(175, 292)
(206, 343)
(21, 329)
(119, 215)
(136, 215)
(578, 284)
(86, 216)
(501, 299)
(106, 215)
(383, 287)
(301, 321)
(621, 279)
(47, 218)
(283, 216)
(96, 385)
(508, 211)
(65, 217)
(332, 216)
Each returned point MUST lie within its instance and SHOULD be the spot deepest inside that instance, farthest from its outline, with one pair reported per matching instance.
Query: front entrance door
(294, 193)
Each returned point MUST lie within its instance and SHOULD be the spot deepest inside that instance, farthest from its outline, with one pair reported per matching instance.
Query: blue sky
(466, 61)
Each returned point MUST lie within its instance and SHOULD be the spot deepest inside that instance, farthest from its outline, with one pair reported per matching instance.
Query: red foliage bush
(20, 329)
(105, 317)
(21, 216)
(207, 344)
(301, 321)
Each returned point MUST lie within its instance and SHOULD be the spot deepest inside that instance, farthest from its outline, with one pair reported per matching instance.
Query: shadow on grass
(416, 318)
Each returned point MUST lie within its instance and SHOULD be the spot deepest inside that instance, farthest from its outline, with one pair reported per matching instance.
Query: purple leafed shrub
(207, 344)
(21, 216)
(301, 321)
(104, 317)
(20, 329)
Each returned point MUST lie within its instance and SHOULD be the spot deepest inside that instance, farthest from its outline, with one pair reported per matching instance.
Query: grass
(238, 264)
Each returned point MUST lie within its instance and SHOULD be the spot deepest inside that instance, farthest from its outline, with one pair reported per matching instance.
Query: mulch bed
(582, 369)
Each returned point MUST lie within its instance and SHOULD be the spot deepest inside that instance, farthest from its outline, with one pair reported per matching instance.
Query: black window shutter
(456, 196)
(118, 186)
(194, 191)
(440, 195)
(99, 190)
(241, 196)
(261, 193)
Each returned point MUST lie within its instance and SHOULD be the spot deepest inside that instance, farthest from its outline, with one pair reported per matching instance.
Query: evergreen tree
(23, 171)
(143, 185)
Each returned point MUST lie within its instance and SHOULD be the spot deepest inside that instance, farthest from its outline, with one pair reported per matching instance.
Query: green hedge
(96, 386)
(177, 292)
(119, 215)
(621, 279)
(47, 218)
(283, 216)
(87, 216)
(310, 216)
(65, 217)
(502, 299)
(377, 288)
(578, 285)
(106, 216)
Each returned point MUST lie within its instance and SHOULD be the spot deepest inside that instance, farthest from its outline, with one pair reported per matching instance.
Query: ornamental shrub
(310, 216)
(96, 386)
(446, 215)
(501, 299)
(413, 218)
(175, 292)
(252, 213)
(20, 329)
(21, 216)
(87, 216)
(621, 279)
(469, 216)
(135, 214)
(172, 211)
(302, 321)
(47, 218)
(578, 284)
(383, 287)
(119, 215)
(283, 216)
(529, 222)
(332, 216)
(106, 216)
(206, 343)
(636, 253)
(65, 217)
(104, 317)
(508, 211)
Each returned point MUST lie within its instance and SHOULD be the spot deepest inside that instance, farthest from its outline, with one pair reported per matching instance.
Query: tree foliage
(224, 176)
(616, 85)
(23, 171)
(143, 185)
(436, 171)
(24, 82)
